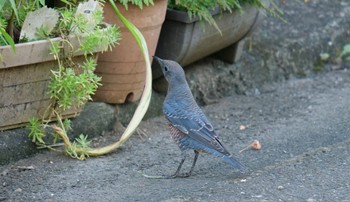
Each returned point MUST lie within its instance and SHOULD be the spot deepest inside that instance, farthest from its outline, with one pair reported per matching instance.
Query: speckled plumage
(189, 126)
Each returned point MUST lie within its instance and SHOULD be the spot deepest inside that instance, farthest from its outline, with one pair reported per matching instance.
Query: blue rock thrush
(189, 126)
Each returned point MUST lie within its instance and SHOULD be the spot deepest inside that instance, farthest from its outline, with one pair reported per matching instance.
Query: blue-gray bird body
(189, 126)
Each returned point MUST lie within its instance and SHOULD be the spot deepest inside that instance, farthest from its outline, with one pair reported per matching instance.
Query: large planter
(187, 40)
(24, 78)
(123, 69)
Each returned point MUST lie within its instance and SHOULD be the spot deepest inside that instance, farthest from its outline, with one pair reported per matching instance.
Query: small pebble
(18, 190)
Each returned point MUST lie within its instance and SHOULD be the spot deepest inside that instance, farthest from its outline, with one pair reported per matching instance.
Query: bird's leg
(196, 153)
(175, 175)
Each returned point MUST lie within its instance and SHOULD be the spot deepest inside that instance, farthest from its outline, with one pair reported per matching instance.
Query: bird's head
(172, 70)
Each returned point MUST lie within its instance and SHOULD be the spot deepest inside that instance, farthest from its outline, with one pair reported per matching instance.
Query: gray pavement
(303, 126)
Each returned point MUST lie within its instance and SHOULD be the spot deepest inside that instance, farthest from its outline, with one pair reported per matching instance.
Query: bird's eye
(165, 69)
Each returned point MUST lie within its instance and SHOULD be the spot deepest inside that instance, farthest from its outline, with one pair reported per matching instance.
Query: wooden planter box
(187, 40)
(24, 78)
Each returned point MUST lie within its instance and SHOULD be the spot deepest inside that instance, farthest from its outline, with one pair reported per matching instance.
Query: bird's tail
(233, 162)
(228, 158)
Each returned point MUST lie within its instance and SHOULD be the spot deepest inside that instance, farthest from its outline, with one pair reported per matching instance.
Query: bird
(189, 126)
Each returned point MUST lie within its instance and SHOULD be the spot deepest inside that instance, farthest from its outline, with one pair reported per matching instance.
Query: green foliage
(36, 131)
(74, 89)
(98, 38)
(5, 38)
(69, 2)
(14, 8)
(203, 8)
(346, 50)
(55, 49)
(16, 11)
(66, 20)
(79, 148)
(138, 3)
(82, 141)
(12, 15)
(344, 55)
(42, 33)
(67, 124)
(73, 83)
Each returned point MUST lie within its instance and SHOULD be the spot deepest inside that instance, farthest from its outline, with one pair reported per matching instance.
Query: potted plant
(80, 148)
(44, 77)
(195, 29)
(70, 86)
(123, 69)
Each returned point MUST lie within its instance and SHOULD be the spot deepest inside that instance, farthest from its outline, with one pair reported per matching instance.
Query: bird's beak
(160, 61)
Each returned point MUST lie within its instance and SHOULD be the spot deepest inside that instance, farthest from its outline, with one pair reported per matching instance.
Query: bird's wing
(196, 127)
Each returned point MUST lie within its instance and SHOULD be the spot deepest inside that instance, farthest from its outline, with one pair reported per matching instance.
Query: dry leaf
(254, 145)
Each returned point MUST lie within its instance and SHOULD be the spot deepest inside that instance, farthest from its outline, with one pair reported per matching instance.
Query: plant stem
(9, 28)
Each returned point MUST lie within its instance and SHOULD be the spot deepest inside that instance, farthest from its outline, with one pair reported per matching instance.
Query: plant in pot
(123, 69)
(65, 82)
(40, 63)
(195, 29)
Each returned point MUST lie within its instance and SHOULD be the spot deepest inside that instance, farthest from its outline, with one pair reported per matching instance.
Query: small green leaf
(67, 124)
(14, 8)
(36, 131)
(82, 141)
(8, 40)
(324, 56)
(346, 50)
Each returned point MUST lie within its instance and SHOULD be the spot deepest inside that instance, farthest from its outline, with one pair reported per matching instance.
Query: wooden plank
(19, 115)
(28, 73)
(24, 93)
(36, 52)
(18, 125)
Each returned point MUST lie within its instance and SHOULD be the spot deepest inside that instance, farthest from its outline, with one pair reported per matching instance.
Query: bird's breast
(175, 133)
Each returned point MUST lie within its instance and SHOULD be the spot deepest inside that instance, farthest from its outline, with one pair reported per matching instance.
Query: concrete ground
(302, 125)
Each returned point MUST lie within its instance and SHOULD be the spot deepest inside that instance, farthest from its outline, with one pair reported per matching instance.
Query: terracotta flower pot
(123, 69)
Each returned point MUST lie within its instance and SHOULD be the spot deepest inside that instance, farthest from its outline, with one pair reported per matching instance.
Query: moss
(301, 73)
(318, 66)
